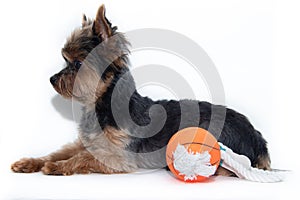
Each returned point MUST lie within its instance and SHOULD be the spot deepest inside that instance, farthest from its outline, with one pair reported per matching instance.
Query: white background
(254, 45)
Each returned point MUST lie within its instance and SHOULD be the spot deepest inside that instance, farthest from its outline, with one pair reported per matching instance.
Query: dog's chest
(94, 136)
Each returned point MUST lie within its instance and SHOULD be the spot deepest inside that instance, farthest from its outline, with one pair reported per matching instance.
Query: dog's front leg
(104, 153)
(85, 163)
(29, 165)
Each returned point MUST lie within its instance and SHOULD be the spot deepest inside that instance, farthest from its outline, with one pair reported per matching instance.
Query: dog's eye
(77, 64)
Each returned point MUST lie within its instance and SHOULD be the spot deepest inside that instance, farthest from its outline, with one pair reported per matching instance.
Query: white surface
(155, 185)
(254, 44)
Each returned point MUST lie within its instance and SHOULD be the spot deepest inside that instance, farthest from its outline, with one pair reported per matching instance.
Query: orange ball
(197, 142)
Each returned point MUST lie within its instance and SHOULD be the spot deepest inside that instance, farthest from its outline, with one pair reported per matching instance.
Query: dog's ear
(84, 20)
(102, 27)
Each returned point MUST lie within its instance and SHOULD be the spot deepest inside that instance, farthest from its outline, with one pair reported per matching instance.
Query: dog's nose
(53, 79)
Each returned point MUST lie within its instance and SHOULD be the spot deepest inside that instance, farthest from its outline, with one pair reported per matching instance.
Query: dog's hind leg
(264, 162)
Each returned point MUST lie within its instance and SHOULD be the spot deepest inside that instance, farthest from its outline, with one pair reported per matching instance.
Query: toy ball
(193, 154)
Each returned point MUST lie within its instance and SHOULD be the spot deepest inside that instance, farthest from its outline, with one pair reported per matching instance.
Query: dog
(115, 135)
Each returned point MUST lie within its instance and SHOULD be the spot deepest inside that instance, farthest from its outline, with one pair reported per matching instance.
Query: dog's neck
(119, 104)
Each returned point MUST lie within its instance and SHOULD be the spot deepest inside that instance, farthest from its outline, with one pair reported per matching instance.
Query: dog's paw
(55, 168)
(27, 165)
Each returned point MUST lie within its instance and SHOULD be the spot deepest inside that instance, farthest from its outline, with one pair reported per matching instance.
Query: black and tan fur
(96, 58)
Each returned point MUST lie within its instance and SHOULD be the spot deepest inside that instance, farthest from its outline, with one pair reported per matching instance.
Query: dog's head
(93, 54)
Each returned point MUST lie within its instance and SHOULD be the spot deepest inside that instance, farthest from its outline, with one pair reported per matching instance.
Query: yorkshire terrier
(121, 131)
